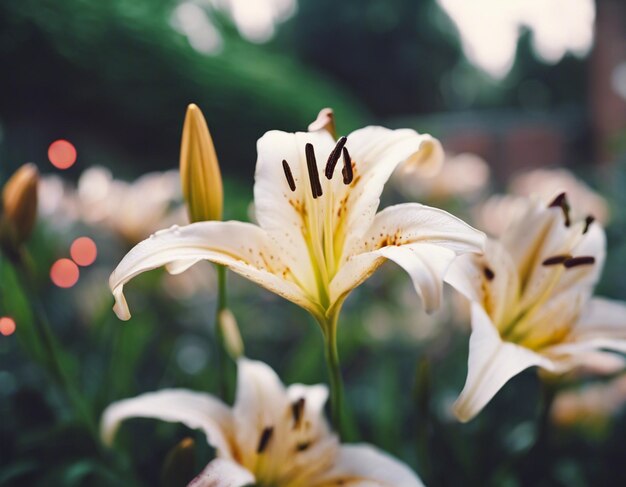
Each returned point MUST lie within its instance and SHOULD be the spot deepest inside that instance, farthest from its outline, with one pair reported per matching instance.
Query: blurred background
(94, 93)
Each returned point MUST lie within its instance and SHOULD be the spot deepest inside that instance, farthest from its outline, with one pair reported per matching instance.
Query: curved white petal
(242, 247)
(279, 210)
(426, 264)
(223, 473)
(195, 410)
(377, 152)
(491, 364)
(422, 240)
(585, 361)
(363, 465)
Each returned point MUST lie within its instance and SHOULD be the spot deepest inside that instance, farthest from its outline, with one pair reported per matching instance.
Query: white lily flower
(272, 436)
(318, 234)
(532, 302)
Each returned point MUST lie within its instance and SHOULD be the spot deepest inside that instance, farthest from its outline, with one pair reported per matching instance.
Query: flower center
(322, 223)
(523, 329)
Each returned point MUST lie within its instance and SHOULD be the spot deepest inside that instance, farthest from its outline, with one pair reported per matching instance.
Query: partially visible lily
(532, 301)
(131, 210)
(463, 176)
(272, 436)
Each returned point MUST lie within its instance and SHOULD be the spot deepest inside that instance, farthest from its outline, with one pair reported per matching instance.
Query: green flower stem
(334, 371)
(219, 334)
(52, 349)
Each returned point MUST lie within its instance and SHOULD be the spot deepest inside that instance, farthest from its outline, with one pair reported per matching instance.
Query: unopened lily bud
(325, 121)
(179, 465)
(199, 169)
(230, 334)
(19, 206)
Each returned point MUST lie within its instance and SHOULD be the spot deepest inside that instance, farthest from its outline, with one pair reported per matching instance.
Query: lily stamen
(297, 410)
(588, 221)
(264, 440)
(289, 176)
(314, 177)
(557, 259)
(489, 274)
(577, 261)
(348, 174)
(334, 157)
(561, 202)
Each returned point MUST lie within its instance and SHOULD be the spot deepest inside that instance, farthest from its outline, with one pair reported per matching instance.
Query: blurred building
(555, 132)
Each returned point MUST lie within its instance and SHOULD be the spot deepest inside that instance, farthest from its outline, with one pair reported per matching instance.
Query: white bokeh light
(490, 29)
(256, 20)
(191, 20)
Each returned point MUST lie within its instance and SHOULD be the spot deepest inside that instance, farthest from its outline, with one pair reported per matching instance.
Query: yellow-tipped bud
(230, 333)
(199, 169)
(19, 206)
(325, 121)
(179, 465)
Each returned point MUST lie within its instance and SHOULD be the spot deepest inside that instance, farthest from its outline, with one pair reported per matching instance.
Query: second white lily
(532, 302)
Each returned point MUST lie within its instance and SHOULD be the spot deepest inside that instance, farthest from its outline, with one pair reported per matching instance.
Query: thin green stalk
(334, 372)
(51, 348)
(220, 347)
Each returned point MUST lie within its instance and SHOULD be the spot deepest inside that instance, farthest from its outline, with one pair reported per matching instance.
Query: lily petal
(260, 405)
(363, 465)
(223, 473)
(422, 240)
(242, 247)
(468, 275)
(593, 244)
(377, 152)
(195, 410)
(602, 317)
(491, 364)
(602, 326)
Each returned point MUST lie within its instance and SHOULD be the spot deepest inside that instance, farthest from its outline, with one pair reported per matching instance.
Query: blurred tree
(116, 76)
(392, 53)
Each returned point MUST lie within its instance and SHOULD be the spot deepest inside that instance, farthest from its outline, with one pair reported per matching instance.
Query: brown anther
(314, 177)
(558, 201)
(289, 176)
(576, 261)
(557, 259)
(348, 175)
(588, 221)
(297, 410)
(266, 435)
(561, 202)
(489, 274)
(334, 156)
(303, 446)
